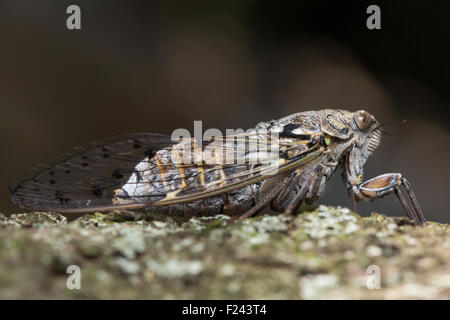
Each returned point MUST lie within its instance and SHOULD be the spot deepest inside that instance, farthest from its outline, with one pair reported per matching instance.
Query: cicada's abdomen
(158, 177)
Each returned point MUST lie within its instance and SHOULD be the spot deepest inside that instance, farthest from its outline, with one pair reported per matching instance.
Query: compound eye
(363, 119)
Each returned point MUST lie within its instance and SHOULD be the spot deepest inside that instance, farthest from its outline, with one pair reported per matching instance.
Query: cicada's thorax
(333, 131)
(158, 176)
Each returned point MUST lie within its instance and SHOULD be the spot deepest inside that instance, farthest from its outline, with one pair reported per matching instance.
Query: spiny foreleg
(388, 183)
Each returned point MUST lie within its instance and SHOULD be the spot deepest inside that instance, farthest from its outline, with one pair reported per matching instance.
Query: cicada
(144, 170)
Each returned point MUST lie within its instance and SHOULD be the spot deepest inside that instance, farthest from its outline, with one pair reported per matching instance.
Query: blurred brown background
(157, 66)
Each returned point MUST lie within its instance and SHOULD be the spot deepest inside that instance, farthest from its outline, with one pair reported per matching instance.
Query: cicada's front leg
(381, 186)
(385, 184)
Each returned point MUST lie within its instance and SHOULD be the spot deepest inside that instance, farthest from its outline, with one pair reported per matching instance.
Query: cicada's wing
(141, 170)
(86, 177)
(256, 166)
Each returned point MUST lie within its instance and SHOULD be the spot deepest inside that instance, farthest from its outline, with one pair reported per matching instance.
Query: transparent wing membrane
(145, 169)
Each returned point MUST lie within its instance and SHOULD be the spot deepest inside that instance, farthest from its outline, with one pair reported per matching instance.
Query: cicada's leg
(295, 203)
(402, 200)
(276, 204)
(385, 184)
(413, 199)
(266, 200)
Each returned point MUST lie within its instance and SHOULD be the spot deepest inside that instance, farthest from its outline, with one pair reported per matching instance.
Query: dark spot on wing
(60, 196)
(67, 171)
(137, 144)
(117, 174)
(85, 164)
(97, 191)
(150, 153)
(53, 181)
(105, 155)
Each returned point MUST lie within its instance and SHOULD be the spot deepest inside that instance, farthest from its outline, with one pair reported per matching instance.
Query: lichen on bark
(326, 253)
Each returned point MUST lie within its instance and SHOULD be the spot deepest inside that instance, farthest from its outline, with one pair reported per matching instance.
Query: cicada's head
(358, 127)
(368, 130)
